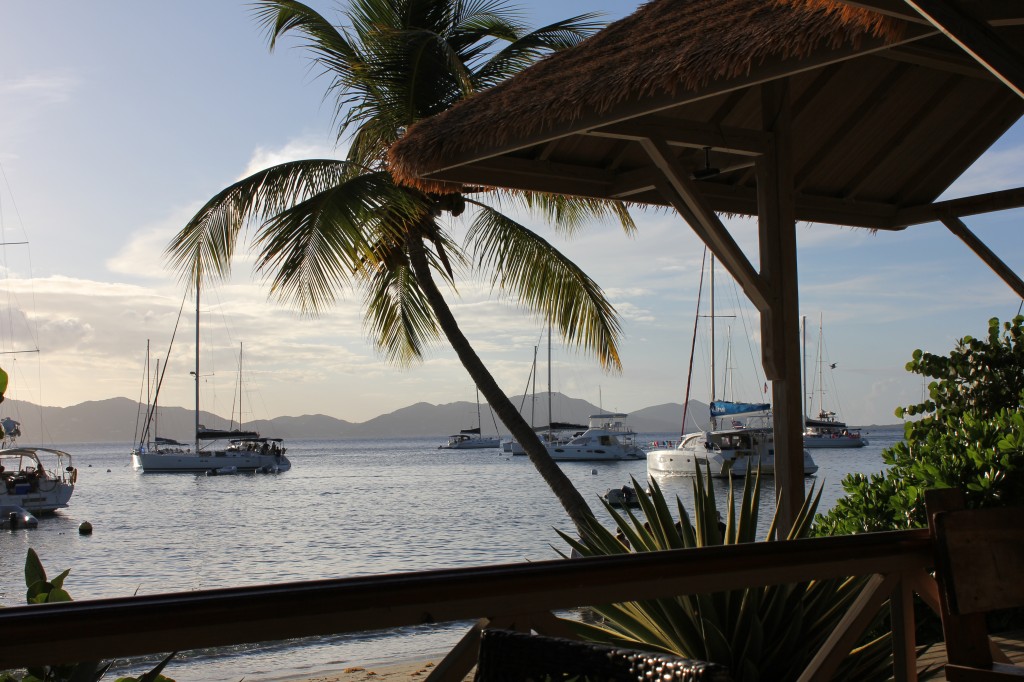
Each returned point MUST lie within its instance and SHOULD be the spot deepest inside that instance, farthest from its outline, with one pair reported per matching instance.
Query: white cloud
(294, 150)
(39, 88)
(997, 169)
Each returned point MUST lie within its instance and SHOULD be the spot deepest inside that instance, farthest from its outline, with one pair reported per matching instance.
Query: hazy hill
(114, 420)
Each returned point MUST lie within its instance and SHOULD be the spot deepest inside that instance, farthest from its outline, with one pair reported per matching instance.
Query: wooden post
(780, 324)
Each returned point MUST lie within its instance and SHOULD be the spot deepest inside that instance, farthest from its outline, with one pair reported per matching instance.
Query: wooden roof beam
(994, 12)
(977, 204)
(940, 60)
(976, 38)
(683, 133)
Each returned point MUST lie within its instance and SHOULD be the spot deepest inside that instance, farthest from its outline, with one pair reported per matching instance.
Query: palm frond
(204, 247)
(568, 215)
(398, 319)
(311, 249)
(546, 281)
(527, 49)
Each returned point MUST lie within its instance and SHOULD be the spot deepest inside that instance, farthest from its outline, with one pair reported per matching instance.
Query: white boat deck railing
(518, 596)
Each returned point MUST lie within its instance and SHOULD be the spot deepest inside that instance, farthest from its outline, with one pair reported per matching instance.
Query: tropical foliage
(969, 435)
(43, 591)
(324, 226)
(760, 633)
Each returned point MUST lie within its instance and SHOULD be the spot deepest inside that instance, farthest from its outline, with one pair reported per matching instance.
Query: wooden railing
(519, 596)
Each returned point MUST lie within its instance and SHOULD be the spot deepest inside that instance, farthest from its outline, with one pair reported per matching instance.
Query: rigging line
(163, 372)
(693, 343)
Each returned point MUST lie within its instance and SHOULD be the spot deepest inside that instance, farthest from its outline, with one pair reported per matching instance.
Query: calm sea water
(347, 508)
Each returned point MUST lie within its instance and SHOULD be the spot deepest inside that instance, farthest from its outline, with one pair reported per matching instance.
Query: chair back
(979, 566)
(509, 656)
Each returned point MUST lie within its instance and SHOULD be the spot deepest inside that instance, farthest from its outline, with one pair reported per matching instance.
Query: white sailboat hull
(26, 483)
(175, 462)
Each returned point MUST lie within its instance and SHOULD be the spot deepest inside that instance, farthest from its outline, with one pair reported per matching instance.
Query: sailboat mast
(714, 391)
(821, 363)
(240, 386)
(156, 413)
(533, 396)
(806, 399)
(549, 380)
(197, 367)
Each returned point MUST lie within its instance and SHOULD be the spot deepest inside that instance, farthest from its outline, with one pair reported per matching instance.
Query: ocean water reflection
(347, 508)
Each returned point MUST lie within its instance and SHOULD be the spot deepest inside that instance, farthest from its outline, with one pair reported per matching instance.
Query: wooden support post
(901, 610)
(780, 324)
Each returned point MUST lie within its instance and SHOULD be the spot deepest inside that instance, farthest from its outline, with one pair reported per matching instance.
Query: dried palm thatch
(665, 48)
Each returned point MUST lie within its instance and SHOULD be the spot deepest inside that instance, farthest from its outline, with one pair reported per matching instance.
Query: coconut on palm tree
(322, 226)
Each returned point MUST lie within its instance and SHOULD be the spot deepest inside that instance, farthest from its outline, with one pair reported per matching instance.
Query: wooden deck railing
(520, 596)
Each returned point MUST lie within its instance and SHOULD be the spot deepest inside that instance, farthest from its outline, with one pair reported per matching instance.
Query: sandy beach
(395, 672)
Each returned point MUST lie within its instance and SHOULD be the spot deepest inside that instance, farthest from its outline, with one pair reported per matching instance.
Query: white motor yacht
(607, 438)
(726, 451)
(470, 439)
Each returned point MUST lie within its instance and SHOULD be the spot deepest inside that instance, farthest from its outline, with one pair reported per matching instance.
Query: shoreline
(396, 672)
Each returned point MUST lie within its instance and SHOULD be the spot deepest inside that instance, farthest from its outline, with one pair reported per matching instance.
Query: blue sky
(119, 119)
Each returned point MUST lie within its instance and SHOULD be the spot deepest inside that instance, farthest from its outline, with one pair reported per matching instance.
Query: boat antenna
(693, 343)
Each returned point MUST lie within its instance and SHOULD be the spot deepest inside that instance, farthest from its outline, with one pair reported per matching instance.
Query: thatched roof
(886, 110)
(665, 47)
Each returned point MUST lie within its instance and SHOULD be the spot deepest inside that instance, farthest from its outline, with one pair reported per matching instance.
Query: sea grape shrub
(43, 591)
(968, 434)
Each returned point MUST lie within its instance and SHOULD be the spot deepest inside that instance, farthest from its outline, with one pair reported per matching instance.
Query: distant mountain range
(114, 420)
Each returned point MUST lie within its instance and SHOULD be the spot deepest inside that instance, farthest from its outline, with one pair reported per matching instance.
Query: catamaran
(729, 446)
(825, 430)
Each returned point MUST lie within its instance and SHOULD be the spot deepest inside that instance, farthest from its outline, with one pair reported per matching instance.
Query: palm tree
(325, 225)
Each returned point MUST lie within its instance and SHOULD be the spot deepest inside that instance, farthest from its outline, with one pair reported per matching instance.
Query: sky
(119, 119)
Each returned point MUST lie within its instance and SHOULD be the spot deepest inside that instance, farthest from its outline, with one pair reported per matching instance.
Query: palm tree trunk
(573, 503)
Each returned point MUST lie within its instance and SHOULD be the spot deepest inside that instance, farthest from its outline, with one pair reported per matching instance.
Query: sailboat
(553, 434)
(825, 430)
(245, 450)
(33, 480)
(470, 439)
(726, 449)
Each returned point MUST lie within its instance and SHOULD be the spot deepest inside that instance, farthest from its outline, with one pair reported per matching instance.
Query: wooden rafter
(957, 227)
(995, 12)
(976, 38)
(676, 132)
(680, 190)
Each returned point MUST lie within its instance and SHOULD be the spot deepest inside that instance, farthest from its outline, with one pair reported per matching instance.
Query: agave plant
(760, 633)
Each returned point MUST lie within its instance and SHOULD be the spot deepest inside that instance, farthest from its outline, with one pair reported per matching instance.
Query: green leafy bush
(969, 435)
(760, 633)
(43, 591)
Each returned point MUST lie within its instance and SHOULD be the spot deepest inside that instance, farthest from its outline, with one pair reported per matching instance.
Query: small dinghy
(13, 516)
(626, 496)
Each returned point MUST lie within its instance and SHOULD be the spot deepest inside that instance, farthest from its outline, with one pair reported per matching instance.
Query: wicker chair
(508, 656)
